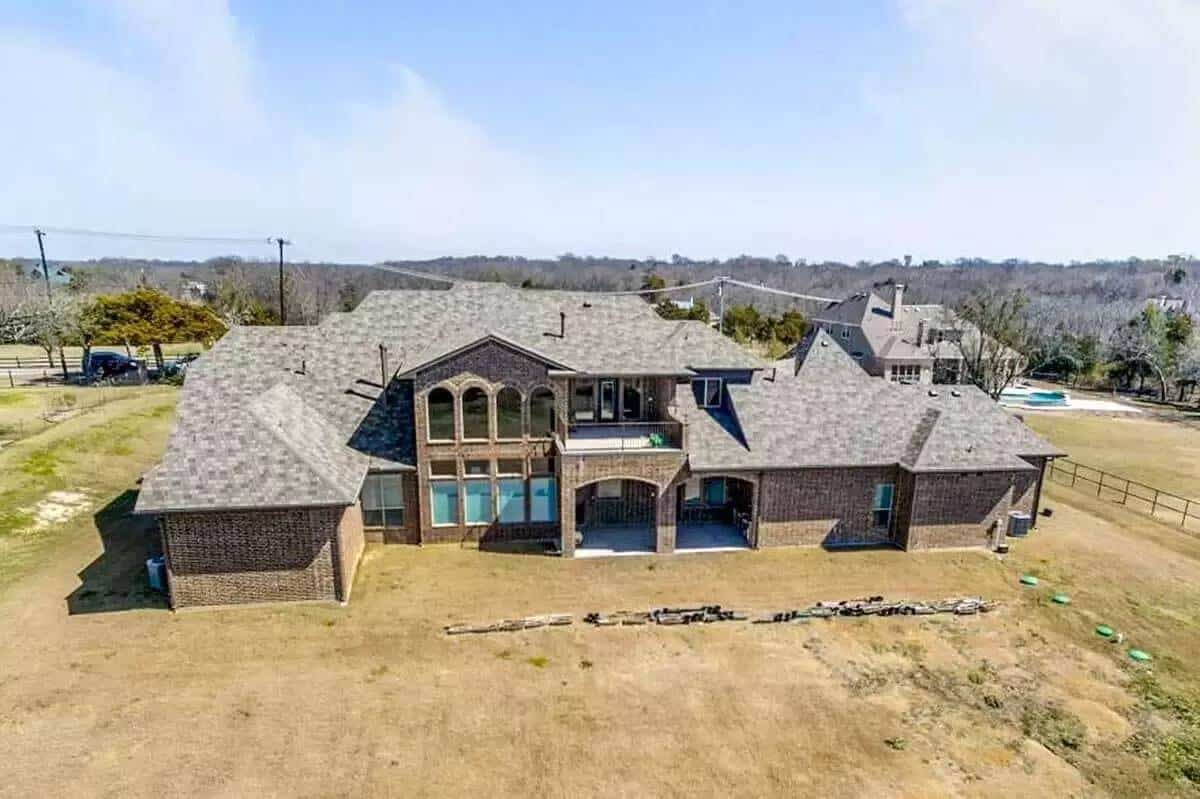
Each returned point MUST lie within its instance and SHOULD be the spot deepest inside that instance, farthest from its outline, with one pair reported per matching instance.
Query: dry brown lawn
(105, 693)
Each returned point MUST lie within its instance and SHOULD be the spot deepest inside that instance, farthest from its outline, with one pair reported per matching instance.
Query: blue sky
(1012, 128)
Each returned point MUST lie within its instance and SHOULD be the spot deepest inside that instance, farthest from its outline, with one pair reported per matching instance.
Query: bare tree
(994, 339)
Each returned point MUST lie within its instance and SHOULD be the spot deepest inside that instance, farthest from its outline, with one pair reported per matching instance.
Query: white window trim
(402, 507)
(891, 509)
(529, 494)
(462, 413)
(524, 415)
(459, 495)
(476, 479)
(524, 499)
(454, 416)
(702, 402)
(845, 332)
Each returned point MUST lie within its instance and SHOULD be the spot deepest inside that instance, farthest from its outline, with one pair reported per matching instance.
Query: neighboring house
(581, 423)
(900, 342)
(1169, 304)
(194, 291)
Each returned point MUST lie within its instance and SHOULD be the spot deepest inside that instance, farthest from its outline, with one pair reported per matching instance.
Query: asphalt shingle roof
(278, 417)
(283, 417)
(828, 412)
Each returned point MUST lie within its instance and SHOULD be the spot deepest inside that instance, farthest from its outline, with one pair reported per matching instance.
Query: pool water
(1035, 398)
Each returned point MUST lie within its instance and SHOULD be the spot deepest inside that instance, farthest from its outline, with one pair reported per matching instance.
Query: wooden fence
(1155, 502)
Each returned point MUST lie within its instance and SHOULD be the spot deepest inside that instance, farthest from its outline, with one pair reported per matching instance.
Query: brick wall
(962, 509)
(805, 507)
(254, 556)
(490, 366)
(660, 468)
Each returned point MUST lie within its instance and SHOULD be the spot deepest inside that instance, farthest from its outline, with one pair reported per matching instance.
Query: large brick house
(567, 422)
(905, 342)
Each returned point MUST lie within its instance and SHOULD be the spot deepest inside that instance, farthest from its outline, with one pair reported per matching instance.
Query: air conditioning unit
(1019, 524)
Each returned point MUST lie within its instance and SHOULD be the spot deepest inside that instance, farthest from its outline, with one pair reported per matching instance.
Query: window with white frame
(543, 499)
(479, 501)
(881, 509)
(906, 373)
(510, 500)
(383, 501)
(444, 502)
(707, 391)
(845, 332)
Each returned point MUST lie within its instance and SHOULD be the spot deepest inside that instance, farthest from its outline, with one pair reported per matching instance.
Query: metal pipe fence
(1162, 505)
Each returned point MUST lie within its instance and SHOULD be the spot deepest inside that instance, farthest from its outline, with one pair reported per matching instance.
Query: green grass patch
(42, 463)
(538, 661)
(9, 399)
(13, 520)
(1055, 728)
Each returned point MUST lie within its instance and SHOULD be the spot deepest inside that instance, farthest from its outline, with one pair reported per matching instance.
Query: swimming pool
(1035, 398)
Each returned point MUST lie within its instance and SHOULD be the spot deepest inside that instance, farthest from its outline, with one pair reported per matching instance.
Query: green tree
(653, 282)
(145, 317)
(669, 310)
(790, 328)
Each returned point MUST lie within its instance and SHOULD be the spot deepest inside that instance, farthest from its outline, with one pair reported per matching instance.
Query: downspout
(758, 508)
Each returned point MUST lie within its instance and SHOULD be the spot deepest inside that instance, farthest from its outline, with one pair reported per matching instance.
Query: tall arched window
(475, 413)
(508, 413)
(441, 415)
(541, 413)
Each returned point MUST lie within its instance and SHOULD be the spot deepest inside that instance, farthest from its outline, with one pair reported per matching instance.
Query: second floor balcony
(623, 436)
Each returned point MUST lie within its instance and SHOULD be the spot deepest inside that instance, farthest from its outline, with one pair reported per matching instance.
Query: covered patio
(714, 515)
(615, 517)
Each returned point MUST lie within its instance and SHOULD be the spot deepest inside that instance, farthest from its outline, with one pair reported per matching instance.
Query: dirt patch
(56, 508)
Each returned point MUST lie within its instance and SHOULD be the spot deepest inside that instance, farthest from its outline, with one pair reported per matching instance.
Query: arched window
(475, 413)
(508, 413)
(441, 415)
(541, 413)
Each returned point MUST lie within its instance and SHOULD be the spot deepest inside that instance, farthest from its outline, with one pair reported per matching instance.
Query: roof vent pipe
(562, 324)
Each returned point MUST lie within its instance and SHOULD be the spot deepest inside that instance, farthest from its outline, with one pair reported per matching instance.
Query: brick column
(566, 508)
(664, 519)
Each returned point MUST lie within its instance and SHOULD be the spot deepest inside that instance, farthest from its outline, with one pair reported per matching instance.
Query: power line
(113, 234)
(770, 290)
(411, 273)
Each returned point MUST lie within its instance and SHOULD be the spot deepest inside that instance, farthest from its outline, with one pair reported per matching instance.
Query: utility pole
(45, 269)
(62, 356)
(721, 301)
(282, 312)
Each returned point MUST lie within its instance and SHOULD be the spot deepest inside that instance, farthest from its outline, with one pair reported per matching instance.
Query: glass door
(608, 400)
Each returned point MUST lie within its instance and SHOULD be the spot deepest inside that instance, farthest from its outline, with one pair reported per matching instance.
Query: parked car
(102, 365)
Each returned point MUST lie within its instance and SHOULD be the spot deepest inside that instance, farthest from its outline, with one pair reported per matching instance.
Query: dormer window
(707, 391)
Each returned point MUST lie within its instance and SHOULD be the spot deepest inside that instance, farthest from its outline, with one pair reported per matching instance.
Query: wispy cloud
(1023, 128)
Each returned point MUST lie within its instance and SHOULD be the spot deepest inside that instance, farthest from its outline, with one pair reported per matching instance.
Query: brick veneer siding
(410, 531)
(803, 507)
(635, 505)
(223, 558)
(661, 469)
(490, 366)
(966, 509)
